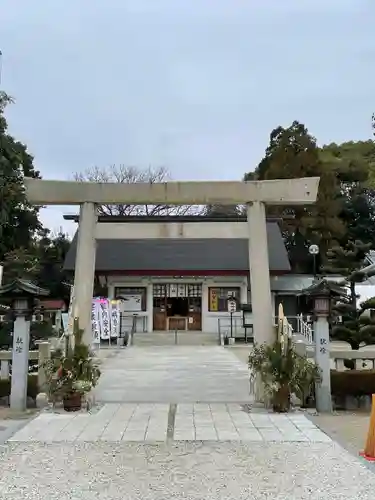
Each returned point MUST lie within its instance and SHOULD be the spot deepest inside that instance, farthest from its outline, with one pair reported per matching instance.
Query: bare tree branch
(131, 175)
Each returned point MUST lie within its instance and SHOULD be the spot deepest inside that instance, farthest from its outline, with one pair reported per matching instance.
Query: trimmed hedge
(353, 383)
(32, 386)
(39, 330)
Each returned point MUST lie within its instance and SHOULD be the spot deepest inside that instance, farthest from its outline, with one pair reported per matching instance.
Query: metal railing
(129, 324)
(233, 328)
(296, 324)
(299, 326)
(174, 337)
(134, 322)
(305, 329)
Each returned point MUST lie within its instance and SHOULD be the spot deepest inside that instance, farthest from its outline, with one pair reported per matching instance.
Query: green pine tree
(356, 325)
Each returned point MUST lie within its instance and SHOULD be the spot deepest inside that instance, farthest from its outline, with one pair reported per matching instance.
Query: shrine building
(178, 272)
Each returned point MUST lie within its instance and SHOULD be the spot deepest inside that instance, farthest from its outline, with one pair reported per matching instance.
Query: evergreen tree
(51, 250)
(356, 325)
(21, 263)
(293, 153)
(345, 208)
(18, 219)
(349, 261)
(354, 165)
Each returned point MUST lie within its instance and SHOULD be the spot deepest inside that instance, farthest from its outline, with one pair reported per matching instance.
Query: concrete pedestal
(20, 364)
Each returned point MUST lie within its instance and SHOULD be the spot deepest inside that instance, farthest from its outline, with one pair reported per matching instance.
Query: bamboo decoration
(280, 323)
(369, 452)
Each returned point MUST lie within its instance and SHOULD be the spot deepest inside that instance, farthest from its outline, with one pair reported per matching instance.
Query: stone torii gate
(255, 194)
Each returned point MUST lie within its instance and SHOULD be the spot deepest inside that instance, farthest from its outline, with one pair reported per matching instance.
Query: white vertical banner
(95, 322)
(115, 318)
(104, 320)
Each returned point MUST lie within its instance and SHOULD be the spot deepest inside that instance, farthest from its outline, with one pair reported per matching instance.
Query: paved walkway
(8, 428)
(158, 422)
(172, 424)
(174, 374)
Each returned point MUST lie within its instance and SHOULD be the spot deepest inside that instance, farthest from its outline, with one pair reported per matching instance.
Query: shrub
(353, 383)
(39, 330)
(283, 371)
(6, 328)
(73, 371)
(32, 386)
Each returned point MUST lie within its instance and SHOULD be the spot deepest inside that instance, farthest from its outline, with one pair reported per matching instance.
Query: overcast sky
(195, 85)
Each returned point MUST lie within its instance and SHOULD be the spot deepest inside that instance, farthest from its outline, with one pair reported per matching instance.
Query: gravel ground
(184, 471)
(8, 414)
(347, 428)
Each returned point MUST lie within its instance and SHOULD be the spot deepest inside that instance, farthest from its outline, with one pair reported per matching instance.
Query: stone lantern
(3, 310)
(321, 293)
(22, 296)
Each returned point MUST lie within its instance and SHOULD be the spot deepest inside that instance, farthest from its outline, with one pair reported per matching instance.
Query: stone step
(172, 338)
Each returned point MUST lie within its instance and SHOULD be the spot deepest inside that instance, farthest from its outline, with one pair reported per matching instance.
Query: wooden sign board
(232, 306)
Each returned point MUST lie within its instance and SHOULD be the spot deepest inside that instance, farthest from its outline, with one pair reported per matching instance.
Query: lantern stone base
(42, 400)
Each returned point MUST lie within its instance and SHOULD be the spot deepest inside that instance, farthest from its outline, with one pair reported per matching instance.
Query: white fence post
(4, 369)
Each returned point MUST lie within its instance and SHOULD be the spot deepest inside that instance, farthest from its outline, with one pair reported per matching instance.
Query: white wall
(209, 319)
(191, 230)
(117, 281)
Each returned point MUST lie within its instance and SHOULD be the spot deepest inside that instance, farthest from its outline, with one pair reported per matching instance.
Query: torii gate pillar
(260, 273)
(84, 275)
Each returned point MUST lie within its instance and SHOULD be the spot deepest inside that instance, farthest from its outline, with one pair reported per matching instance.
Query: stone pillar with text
(260, 273)
(84, 274)
(323, 361)
(23, 297)
(322, 293)
(20, 363)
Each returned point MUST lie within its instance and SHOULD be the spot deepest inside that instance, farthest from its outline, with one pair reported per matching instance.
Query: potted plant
(72, 401)
(282, 371)
(72, 373)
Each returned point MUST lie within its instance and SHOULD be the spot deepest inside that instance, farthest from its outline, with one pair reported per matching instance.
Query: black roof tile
(214, 254)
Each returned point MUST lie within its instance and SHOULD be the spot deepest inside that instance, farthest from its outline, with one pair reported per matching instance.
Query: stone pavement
(8, 427)
(174, 374)
(160, 422)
